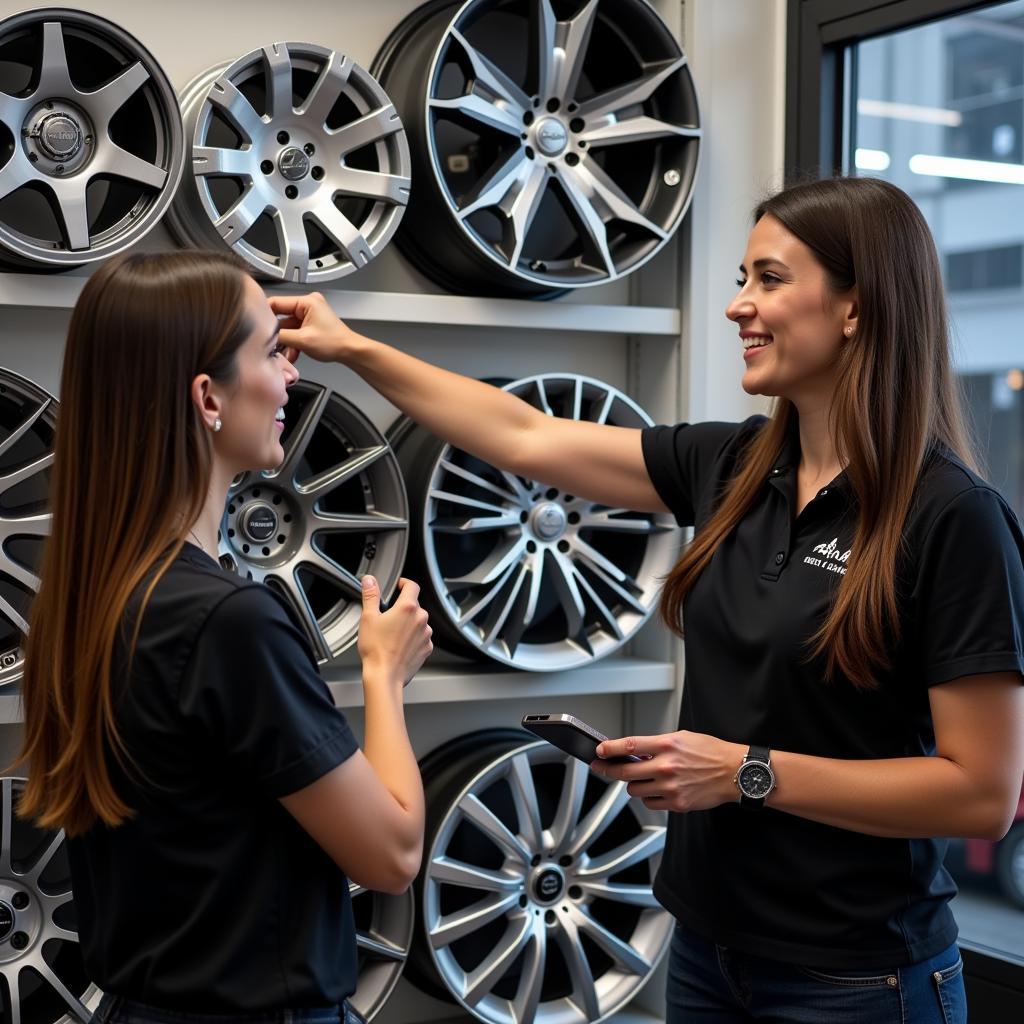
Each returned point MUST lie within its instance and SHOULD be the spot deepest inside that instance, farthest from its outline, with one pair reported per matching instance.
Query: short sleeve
(969, 590)
(252, 689)
(682, 461)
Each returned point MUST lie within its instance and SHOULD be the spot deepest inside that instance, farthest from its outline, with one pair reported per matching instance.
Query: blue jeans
(715, 985)
(117, 1010)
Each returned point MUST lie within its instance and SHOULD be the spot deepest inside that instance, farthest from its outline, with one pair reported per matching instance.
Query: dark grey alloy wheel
(90, 139)
(28, 418)
(297, 161)
(384, 926)
(517, 570)
(41, 965)
(555, 141)
(535, 898)
(334, 510)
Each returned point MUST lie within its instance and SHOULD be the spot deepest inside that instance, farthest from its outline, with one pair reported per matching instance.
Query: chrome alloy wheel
(334, 510)
(28, 418)
(383, 933)
(40, 957)
(536, 895)
(298, 162)
(520, 571)
(556, 140)
(90, 138)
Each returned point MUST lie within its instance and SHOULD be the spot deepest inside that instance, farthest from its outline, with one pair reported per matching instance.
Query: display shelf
(631, 1015)
(462, 681)
(61, 292)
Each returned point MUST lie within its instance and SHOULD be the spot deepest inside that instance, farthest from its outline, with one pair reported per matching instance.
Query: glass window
(939, 111)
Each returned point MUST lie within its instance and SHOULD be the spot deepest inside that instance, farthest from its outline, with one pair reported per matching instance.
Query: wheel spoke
(495, 185)
(524, 796)
(620, 951)
(584, 991)
(6, 824)
(13, 110)
(325, 482)
(475, 110)
(590, 221)
(570, 52)
(494, 828)
(588, 179)
(62, 933)
(466, 922)
(54, 76)
(365, 131)
(468, 876)
(279, 80)
(343, 233)
(237, 109)
(215, 160)
(531, 979)
(569, 596)
(24, 427)
(607, 520)
(293, 245)
(641, 847)
(543, 41)
(600, 816)
(384, 188)
(522, 209)
(603, 610)
(328, 88)
(606, 408)
(16, 571)
(300, 437)
(476, 524)
(13, 616)
(73, 1003)
(635, 129)
(293, 585)
(43, 860)
(629, 895)
(240, 217)
(106, 101)
(15, 173)
(19, 476)
(492, 566)
(355, 889)
(637, 91)
(498, 961)
(328, 568)
(74, 213)
(489, 77)
(467, 502)
(570, 802)
(345, 522)
(469, 612)
(599, 561)
(381, 949)
(497, 623)
(116, 162)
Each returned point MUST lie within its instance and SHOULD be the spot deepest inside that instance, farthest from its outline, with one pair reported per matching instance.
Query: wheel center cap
(259, 522)
(293, 164)
(549, 521)
(552, 136)
(60, 136)
(548, 886)
(6, 920)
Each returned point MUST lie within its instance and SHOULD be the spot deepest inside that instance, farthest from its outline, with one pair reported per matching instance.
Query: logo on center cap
(551, 136)
(259, 522)
(6, 921)
(60, 137)
(549, 885)
(293, 164)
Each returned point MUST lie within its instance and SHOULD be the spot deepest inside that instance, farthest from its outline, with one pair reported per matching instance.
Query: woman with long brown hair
(176, 726)
(853, 607)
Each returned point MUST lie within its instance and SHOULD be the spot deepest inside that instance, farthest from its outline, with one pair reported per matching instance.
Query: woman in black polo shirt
(176, 724)
(853, 604)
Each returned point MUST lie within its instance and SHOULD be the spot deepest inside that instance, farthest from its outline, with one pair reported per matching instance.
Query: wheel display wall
(90, 139)
(535, 898)
(555, 143)
(522, 572)
(297, 162)
(334, 510)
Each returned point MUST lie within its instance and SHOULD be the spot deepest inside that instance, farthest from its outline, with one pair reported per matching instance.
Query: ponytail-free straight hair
(131, 471)
(896, 398)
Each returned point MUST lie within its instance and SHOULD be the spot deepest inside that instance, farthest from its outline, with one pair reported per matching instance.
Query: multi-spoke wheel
(298, 162)
(556, 140)
(334, 510)
(518, 570)
(28, 417)
(383, 934)
(90, 138)
(40, 958)
(535, 897)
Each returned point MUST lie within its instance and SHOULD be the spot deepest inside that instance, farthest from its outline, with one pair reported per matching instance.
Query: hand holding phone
(572, 735)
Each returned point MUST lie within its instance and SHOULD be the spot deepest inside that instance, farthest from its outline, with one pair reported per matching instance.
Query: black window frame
(819, 82)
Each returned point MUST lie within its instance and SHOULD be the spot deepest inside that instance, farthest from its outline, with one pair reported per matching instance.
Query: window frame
(820, 79)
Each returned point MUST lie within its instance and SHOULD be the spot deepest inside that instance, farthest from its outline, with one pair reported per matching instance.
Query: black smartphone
(568, 733)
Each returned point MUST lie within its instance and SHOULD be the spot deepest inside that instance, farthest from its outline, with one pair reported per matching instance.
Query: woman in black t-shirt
(176, 725)
(853, 604)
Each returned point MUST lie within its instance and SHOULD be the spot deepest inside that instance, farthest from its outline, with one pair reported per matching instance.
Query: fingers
(371, 595)
(294, 305)
(640, 746)
(409, 592)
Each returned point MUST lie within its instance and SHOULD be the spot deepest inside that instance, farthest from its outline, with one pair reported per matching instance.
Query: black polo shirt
(772, 883)
(213, 898)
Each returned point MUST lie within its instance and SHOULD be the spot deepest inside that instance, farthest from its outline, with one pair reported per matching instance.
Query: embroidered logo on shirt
(831, 558)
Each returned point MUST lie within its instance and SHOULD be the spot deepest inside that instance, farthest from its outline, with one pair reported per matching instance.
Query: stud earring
(217, 424)
(848, 331)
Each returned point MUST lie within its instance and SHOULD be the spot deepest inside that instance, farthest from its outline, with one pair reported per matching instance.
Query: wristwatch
(755, 778)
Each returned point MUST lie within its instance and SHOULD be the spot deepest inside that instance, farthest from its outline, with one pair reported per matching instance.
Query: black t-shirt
(772, 883)
(213, 898)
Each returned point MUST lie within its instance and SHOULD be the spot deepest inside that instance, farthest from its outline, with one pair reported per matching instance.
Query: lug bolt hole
(266, 551)
(528, 117)
(565, 861)
(536, 101)
(291, 191)
(20, 900)
(245, 549)
(531, 546)
(574, 518)
(529, 152)
(267, 167)
(231, 533)
(572, 159)
(317, 173)
(523, 517)
(277, 499)
(549, 916)
(19, 940)
(309, 149)
(281, 538)
(283, 137)
(575, 892)
(577, 124)
(287, 517)
(523, 901)
(572, 108)
(553, 105)
(255, 492)
(563, 546)
(535, 861)
(551, 493)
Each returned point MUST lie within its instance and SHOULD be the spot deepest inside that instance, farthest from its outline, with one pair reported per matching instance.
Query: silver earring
(217, 425)
(848, 332)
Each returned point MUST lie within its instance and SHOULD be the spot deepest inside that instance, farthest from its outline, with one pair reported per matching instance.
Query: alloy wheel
(383, 933)
(556, 141)
(334, 510)
(90, 139)
(298, 162)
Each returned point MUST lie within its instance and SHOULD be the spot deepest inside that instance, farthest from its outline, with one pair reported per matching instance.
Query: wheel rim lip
(564, 653)
(170, 138)
(689, 181)
(379, 976)
(91, 996)
(195, 214)
(340, 630)
(493, 1009)
(32, 392)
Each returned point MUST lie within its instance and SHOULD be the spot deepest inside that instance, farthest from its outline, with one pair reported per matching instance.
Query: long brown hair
(896, 397)
(132, 467)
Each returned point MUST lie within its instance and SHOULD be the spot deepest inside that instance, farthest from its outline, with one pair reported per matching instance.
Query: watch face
(756, 780)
